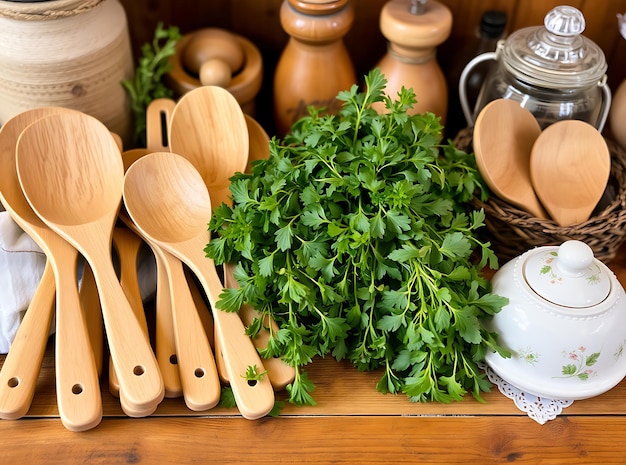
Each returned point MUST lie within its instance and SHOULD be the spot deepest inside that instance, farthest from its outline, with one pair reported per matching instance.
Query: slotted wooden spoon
(71, 172)
(76, 374)
(504, 134)
(168, 201)
(570, 166)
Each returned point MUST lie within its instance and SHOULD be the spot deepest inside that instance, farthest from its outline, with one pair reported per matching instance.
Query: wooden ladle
(209, 129)
(71, 172)
(168, 201)
(504, 134)
(77, 384)
(570, 166)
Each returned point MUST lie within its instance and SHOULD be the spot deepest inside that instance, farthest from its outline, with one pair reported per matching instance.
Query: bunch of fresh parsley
(357, 235)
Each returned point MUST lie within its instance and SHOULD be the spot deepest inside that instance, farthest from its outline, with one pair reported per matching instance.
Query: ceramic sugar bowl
(565, 323)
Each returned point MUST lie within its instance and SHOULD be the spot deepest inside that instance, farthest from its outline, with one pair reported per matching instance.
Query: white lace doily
(539, 409)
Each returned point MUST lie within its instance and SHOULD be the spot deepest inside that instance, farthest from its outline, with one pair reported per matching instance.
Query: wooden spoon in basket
(504, 135)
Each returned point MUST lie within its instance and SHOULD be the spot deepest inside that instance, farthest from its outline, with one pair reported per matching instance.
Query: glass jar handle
(606, 104)
(463, 83)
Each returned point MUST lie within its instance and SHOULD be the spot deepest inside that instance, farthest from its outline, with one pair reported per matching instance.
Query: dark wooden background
(258, 20)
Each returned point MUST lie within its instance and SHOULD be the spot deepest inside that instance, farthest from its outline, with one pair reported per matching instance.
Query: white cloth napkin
(21, 266)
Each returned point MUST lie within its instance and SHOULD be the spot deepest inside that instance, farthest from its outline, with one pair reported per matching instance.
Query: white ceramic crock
(565, 323)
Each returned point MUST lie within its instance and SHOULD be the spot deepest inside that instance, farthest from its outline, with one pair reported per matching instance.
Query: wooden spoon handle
(279, 372)
(197, 369)
(254, 399)
(133, 358)
(207, 323)
(77, 382)
(165, 341)
(18, 377)
(128, 244)
(90, 303)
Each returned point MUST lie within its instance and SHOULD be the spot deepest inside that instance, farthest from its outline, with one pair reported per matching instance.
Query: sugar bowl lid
(568, 276)
(555, 55)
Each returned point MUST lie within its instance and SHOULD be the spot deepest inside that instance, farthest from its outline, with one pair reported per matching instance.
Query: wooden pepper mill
(214, 56)
(314, 66)
(617, 114)
(414, 28)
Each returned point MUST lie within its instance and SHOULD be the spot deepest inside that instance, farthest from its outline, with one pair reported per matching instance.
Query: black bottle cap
(492, 23)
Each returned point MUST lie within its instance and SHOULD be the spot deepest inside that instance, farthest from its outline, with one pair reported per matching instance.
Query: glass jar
(552, 70)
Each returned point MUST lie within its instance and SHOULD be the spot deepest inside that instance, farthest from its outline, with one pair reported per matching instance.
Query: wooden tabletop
(351, 423)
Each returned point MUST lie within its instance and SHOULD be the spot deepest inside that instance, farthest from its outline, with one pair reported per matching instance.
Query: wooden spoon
(71, 172)
(168, 201)
(77, 383)
(209, 129)
(504, 134)
(191, 354)
(570, 166)
(158, 116)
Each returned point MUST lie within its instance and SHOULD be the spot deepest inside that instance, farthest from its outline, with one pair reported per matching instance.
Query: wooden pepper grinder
(414, 28)
(617, 114)
(314, 66)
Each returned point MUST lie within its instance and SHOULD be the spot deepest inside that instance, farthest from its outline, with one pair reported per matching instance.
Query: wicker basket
(512, 231)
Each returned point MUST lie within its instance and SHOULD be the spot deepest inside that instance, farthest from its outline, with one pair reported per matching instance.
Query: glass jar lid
(567, 275)
(555, 55)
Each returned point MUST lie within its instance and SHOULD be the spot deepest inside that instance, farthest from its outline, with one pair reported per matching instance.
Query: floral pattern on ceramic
(554, 277)
(528, 355)
(619, 351)
(580, 364)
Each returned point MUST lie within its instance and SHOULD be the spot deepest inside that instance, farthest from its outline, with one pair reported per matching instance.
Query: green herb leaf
(147, 83)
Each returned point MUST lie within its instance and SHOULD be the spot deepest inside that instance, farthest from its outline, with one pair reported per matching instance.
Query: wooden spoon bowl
(209, 129)
(570, 167)
(504, 134)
